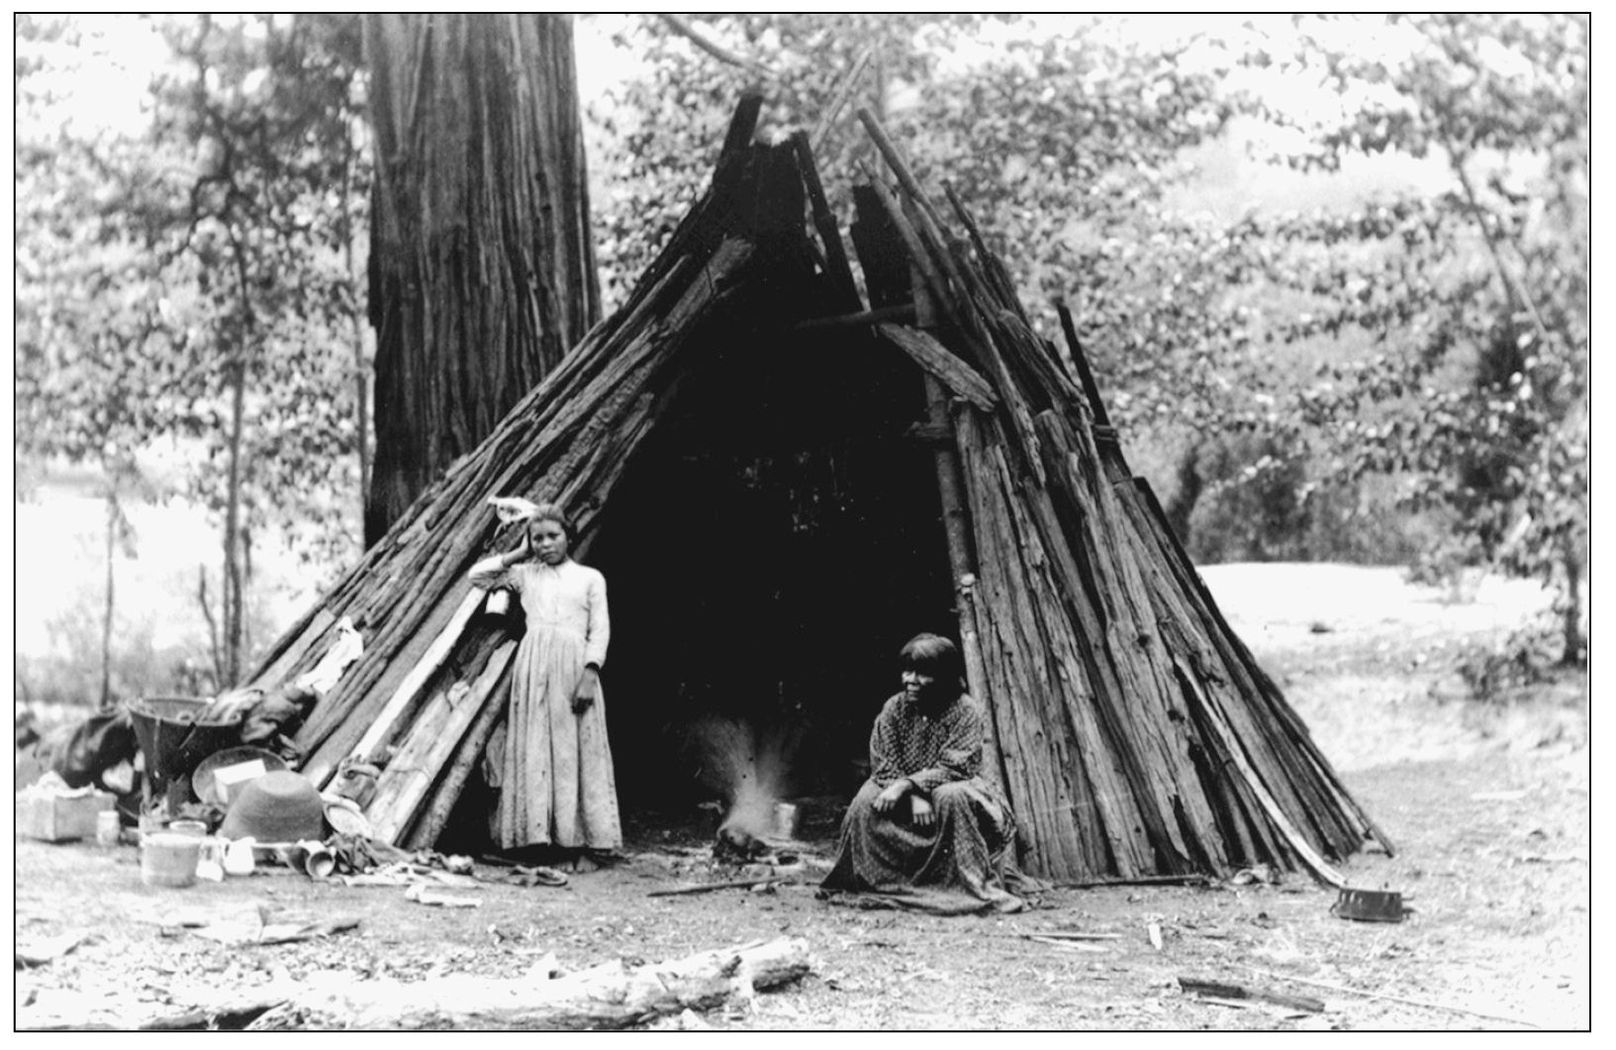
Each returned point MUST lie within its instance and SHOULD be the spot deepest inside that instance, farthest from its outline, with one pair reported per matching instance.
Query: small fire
(750, 768)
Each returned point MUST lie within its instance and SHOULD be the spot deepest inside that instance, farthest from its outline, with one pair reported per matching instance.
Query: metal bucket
(168, 859)
(173, 741)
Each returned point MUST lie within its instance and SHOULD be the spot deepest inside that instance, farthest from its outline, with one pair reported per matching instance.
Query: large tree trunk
(482, 272)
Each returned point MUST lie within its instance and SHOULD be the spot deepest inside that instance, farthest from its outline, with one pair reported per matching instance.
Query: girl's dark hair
(934, 655)
(550, 512)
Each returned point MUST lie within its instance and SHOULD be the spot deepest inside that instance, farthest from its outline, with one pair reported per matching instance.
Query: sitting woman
(926, 829)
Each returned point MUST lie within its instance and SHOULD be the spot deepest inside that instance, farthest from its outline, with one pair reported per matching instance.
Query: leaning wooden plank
(1157, 754)
(1057, 774)
(413, 682)
(1078, 692)
(410, 774)
(603, 997)
(930, 355)
(434, 817)
(1237, 655)
(1320, 867)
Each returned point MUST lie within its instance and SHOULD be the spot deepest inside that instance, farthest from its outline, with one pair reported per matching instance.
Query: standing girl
(558, 787)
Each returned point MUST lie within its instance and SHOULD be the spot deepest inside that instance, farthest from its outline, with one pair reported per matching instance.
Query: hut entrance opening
(767, 554)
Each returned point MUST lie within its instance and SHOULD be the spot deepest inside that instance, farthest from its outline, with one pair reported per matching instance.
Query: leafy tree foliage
(185, 279)
(1476, 296)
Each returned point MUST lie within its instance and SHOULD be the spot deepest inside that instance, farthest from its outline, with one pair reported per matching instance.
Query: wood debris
(610, 996)
(1226, 990)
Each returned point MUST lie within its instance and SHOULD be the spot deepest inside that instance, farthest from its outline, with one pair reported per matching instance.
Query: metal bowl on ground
(1370, 905)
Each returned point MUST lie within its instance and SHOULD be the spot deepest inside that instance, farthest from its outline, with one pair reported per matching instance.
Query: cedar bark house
(782, 482)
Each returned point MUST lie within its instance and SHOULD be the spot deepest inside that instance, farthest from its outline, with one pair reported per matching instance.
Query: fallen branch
(732, 884)
(602, 997)
(1065, 945)
(1227, 991)
(1391, 998)
(1072, 935)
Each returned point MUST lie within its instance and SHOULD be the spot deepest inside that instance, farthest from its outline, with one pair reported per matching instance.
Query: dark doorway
(767, 554)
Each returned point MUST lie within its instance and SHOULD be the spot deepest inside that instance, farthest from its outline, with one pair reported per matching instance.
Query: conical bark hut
(1131, 730)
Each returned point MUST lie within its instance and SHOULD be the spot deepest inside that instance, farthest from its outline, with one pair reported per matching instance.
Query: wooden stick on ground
(1072, 935)
(1390, 998)
(732, 884)
(1226, 990)
(1071, 946)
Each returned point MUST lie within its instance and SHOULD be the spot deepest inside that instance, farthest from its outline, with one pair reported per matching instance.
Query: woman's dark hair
(934, 655)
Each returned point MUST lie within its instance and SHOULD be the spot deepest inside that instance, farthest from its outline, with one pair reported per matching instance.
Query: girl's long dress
(558, 787)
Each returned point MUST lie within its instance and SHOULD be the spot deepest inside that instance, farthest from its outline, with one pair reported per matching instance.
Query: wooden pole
(844, 91)
(1091, 389)
(900, 312)
(956, 526)
(957, 530)
(825, 222)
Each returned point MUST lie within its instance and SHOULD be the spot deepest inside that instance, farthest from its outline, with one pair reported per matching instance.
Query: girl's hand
(921, 810)
(588, 689)
(521, 552)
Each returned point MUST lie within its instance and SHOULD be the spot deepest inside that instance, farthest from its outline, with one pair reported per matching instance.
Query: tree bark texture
(482, 270)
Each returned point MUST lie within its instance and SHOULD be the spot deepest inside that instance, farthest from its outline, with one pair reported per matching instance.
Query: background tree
(184, 282)
(1475, 296)
(482, 269)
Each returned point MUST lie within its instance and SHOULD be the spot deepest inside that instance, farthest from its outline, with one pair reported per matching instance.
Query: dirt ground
(1488, 806)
